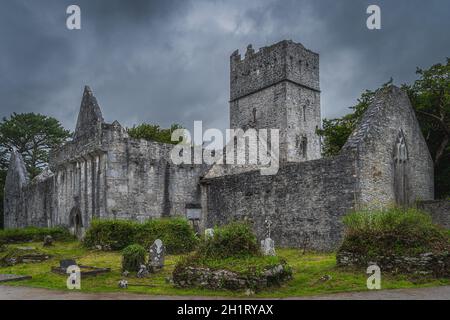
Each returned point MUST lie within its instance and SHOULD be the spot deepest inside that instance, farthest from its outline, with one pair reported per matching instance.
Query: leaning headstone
(209, 233)
(156, 254)
(48, 241)
(143, 272)
(268, 247)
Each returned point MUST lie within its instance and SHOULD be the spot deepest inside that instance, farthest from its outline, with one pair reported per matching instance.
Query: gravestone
(209, 233)
(268, 247)
(48, 241)
(143, 272)
(156, 254)
(123, 284)
(64, 264)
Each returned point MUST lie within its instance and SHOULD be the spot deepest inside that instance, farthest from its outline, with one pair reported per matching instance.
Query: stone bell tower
(278, 88)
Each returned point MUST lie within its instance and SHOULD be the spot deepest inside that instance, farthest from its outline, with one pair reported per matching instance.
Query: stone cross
(268, 247)
(268, 223)
(156, 254)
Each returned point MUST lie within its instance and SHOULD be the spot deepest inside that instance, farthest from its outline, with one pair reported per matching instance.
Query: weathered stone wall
(428, 263)
(142, 181)
(38, 203)
(303, 119)
(305, 201)
(439, 211)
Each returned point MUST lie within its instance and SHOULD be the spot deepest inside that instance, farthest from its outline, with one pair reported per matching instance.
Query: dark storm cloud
(167, 61)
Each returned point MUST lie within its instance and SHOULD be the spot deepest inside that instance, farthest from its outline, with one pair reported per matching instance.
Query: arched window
(76, 222)
(401, 170)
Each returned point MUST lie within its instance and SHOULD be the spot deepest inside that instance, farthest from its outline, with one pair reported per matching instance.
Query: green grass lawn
(307, 270)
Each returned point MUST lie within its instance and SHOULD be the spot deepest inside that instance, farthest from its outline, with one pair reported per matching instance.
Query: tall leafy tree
(430, 96)
(32, 135)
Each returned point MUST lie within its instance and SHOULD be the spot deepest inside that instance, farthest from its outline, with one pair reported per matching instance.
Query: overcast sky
(168, 61)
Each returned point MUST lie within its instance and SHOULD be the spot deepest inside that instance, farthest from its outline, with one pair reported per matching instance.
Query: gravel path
(24, 293)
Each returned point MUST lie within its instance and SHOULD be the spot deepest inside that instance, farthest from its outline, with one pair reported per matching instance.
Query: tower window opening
(304, 147)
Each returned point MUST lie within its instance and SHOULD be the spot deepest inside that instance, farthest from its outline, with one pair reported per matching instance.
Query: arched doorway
(401, 170)
(76, 222)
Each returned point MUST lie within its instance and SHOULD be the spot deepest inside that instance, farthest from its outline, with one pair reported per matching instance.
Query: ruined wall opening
(76, 222)
(401, 170)
(304, 147)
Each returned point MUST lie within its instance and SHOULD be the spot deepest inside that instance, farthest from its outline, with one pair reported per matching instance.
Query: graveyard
(309, 275)
(229, 255)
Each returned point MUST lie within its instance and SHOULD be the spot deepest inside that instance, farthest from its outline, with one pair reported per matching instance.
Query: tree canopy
(32, 135)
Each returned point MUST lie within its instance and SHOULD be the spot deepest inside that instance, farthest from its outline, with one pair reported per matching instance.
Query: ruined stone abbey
(104, 173)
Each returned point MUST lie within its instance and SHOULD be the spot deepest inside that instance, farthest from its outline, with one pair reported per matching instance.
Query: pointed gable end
(89, 117)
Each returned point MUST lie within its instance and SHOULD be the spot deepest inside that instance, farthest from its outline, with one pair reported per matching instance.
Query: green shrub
(153, 132)
(30, 234)
(393, 231)
(110, 234)
(132, 258)
(176, 234)
(233, 240)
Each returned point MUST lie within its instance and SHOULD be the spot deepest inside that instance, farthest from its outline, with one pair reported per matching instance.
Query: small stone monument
(156, 255)
(48, 241)
(64, 264)
(209, 233)
(143, 272)
(268, 245)
(123, 284)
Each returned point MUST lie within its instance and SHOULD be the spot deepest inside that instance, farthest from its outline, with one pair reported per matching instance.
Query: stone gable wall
(374, 143)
